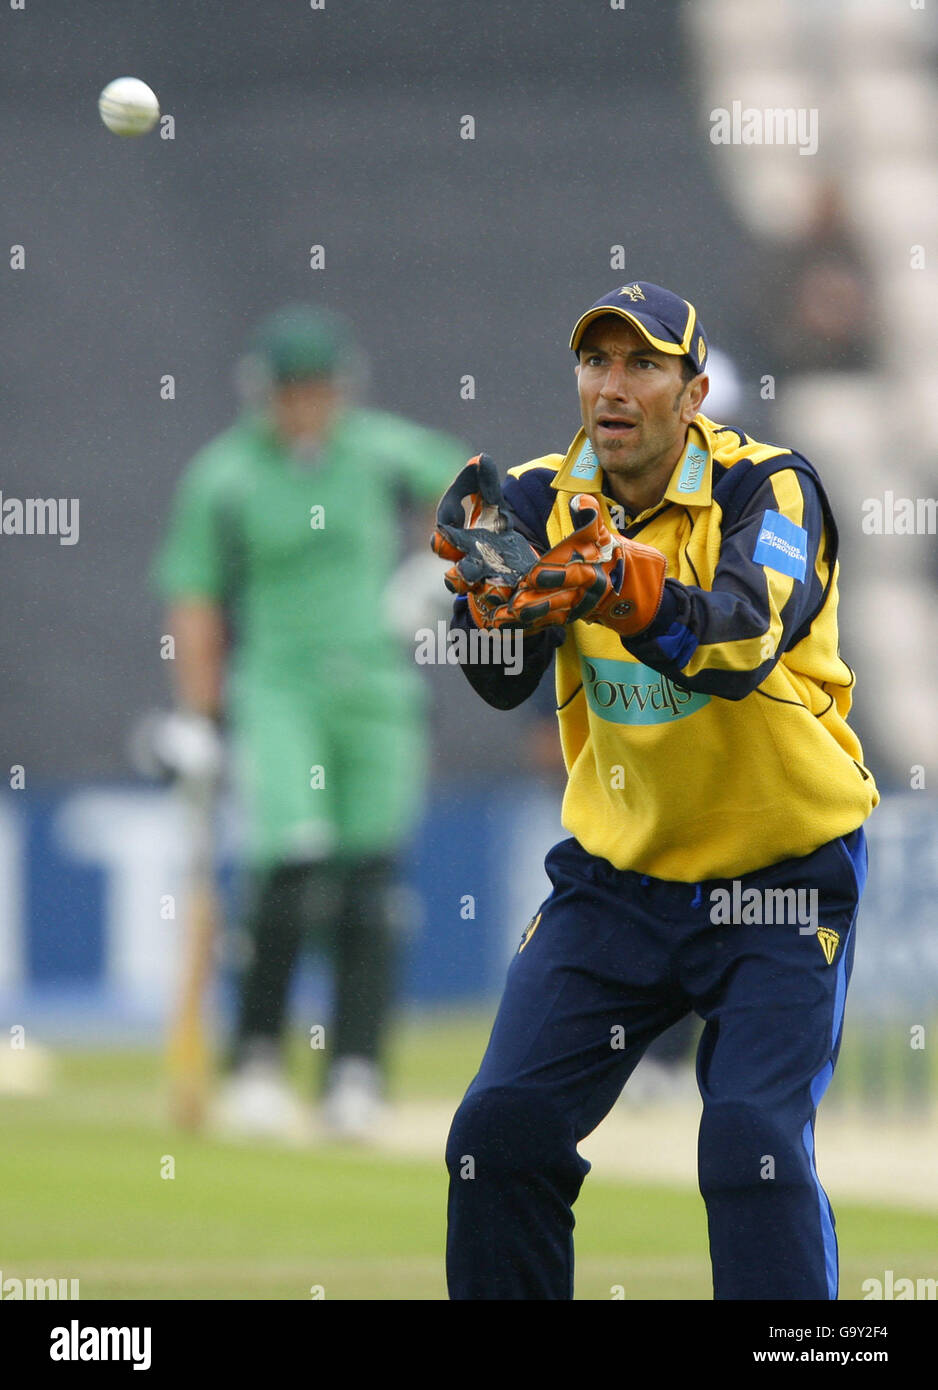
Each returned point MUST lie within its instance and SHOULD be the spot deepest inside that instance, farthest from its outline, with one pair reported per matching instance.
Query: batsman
(283, 537)
(684, 579)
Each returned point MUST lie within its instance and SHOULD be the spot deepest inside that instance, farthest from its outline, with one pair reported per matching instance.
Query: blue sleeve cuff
(663, 619)
(675, 641)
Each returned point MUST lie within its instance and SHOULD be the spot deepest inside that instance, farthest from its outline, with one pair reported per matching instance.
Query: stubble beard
(619, 463)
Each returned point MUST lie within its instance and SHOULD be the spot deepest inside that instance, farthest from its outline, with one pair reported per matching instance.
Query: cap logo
(701, 350)
(633, 291)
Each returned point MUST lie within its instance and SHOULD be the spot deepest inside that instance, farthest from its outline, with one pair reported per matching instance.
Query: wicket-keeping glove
(591, 575)
(473, 528)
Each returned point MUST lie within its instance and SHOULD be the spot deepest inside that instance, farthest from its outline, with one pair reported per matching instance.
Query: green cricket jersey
(325, 703)
(303, 551)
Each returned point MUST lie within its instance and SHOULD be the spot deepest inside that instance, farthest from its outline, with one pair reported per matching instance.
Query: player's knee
(508, 1131)
(744, 1144)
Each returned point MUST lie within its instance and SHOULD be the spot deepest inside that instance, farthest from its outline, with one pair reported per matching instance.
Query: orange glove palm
(590, 575)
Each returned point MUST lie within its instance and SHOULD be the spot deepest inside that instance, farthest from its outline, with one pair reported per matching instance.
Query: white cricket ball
(128, 106)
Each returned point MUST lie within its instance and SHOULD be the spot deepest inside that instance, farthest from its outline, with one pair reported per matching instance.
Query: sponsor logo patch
(782, 546)
(627, 692)
(695, 461)
(586, 465)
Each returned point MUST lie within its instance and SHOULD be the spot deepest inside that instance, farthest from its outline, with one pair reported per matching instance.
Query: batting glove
(178, 746)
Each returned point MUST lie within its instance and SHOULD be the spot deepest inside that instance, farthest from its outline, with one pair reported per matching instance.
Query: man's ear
(694, 397)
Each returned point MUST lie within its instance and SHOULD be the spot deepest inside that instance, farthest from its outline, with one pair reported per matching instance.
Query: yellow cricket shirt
(715, 742)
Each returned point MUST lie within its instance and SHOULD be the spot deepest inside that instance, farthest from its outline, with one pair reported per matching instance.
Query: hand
(591, 575)
(179, 746)
(474, 529)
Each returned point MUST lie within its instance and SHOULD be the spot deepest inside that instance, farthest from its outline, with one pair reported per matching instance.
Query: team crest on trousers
(829, 940)
(529, 931)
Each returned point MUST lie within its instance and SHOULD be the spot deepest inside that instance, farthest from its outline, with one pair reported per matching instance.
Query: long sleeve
(769, 580)
(505, 683)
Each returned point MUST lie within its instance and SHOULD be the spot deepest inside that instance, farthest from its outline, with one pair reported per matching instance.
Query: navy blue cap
(664, 320)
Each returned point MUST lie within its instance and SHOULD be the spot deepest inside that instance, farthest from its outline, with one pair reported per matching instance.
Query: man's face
(303, 411)
(633, 400)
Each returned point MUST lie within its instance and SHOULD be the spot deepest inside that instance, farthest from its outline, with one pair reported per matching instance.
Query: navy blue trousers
(613, 959)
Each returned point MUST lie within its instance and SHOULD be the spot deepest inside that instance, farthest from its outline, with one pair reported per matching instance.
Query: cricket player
(282, 539)
(685, 579)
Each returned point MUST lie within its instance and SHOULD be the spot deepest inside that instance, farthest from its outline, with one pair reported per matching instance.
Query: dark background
(293, 127)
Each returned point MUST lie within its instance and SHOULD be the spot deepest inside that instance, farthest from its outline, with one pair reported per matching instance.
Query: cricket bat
(189, 1049)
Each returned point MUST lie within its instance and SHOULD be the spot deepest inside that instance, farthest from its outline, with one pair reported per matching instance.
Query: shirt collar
(690, 483)
(693, 473)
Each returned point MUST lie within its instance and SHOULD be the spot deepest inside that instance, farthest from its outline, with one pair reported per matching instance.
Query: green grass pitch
(82, 1197)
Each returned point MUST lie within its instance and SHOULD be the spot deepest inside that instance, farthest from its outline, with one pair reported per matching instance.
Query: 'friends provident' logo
(782, 546)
